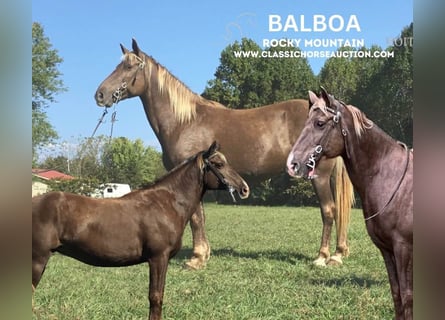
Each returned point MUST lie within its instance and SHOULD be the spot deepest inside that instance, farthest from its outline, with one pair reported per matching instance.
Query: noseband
(220, 177)
(117, 94)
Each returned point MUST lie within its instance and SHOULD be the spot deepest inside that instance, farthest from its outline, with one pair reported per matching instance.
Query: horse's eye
(219, 165)
(319, 123)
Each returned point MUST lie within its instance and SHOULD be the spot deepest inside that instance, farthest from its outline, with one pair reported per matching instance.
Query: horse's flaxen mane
(359, 119)
(182, 99)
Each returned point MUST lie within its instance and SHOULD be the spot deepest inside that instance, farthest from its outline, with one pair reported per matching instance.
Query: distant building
(39, 186)
(48, 174)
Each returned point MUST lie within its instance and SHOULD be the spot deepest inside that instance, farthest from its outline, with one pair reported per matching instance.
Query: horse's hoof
(335, 261)
(194, 264)
(320, 262)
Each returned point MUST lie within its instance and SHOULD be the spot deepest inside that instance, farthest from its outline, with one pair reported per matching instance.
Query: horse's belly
(112, 257)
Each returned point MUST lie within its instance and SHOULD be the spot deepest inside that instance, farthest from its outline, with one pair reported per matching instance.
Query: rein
(221, 178)
(397, 186)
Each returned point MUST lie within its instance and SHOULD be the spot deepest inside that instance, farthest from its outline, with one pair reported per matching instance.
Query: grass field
(260, 268)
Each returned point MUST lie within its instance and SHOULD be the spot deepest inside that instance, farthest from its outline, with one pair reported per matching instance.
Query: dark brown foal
(143, 226)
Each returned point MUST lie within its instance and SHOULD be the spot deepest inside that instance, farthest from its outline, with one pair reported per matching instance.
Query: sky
(187, 38)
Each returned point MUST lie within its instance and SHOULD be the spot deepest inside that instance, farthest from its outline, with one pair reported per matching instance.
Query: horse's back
(258, 133)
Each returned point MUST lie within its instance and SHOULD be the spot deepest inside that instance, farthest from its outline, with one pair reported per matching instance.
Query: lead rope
(101, 120)
(113, 120)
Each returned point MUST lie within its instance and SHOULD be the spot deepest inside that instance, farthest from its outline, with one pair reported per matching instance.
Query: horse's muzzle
(244, 191)
(100, 99)
(292, 166)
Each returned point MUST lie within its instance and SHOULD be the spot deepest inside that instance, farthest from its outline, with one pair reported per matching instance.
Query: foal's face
(231, 177)
(319, 130)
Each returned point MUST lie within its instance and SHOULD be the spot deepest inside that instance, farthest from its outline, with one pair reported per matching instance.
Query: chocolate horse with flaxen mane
(255, 141)
(143, 226)
(381, 169)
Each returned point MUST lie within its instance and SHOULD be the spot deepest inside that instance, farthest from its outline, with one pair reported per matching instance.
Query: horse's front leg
(201, 246)
(323, 191)
(393, 277)
(158, 270)
(404, 265)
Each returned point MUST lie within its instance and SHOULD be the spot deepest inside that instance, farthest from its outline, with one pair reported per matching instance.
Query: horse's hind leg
(201, 247)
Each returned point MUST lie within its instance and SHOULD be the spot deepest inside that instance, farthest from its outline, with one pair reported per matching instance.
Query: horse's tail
(344, 198)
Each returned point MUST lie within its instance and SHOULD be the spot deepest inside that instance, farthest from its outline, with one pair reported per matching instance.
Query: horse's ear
(328, 98)
(135, 46)
(312, 98)
(212, 149)
(124, 50)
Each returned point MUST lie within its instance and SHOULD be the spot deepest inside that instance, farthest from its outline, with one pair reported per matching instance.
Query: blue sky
(186, 37)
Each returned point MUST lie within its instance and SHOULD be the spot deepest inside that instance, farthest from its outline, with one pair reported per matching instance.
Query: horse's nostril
(99, 96)
(295, 166)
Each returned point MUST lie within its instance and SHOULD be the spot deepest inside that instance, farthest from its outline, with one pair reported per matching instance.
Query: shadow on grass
(347, 281)
(285, 256)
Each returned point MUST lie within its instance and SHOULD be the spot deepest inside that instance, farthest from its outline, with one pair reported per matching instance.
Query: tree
(235, 78)
(249, 82)
(388, 97)
(124, 161)
(59, 163)
(344, 75)
(46, 83)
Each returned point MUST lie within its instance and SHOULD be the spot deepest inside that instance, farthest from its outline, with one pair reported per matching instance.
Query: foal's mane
(182, 99)
(197, 157)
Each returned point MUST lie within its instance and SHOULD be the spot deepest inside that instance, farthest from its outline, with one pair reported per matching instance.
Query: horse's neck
(157, 105)
(187, 183)
(370, 157)
(158, 112)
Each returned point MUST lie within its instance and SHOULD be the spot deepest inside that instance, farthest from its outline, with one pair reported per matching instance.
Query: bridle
(315, 156)
(220, 177)
(117, 94)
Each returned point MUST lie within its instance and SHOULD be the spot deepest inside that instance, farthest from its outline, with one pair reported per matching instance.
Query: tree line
(102, 159)
(382, 88)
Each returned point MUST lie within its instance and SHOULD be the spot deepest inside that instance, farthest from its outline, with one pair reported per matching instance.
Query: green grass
(260, 268)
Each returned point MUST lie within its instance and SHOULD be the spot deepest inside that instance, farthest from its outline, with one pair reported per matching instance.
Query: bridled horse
(381, 169)
(143, 226)
(255, 141)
